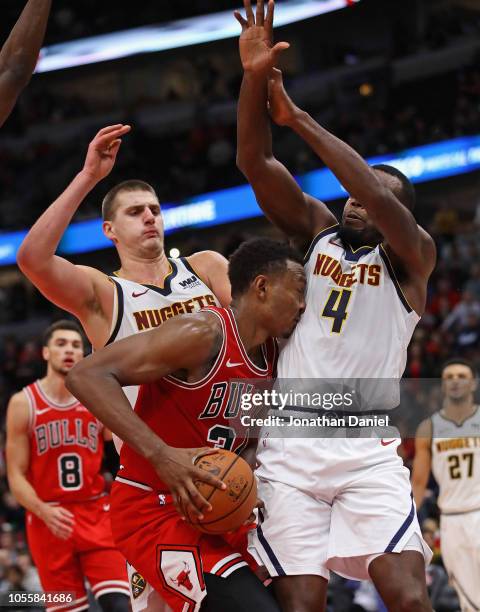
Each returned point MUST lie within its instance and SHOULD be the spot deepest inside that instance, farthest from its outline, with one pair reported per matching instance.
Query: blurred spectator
(460, 317)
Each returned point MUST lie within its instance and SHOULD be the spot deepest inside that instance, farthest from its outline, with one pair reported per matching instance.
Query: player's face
(458, 382)
(286, 300)
(356, 227)
(137, 224)
(64, 350)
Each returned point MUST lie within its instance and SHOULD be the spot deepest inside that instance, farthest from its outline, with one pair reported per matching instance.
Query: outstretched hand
(257, 51)
(103, 150)
(280, 106)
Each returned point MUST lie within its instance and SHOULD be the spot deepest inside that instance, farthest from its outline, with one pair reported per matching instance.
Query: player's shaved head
(110, 201)
(406, 192)
(258, 256)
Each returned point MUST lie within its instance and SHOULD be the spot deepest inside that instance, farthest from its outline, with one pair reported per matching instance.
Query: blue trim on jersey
(166, 289)
(275, 562)
(406, 524)
(326, 232)
(391, 272)
(355, 255)
(119, 289)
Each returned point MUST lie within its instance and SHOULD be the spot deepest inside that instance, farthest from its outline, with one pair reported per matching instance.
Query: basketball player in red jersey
(54, 458)
(19, 54)
(186, 402)
(133, 221)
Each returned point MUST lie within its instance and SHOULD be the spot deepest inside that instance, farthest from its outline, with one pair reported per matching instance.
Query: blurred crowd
(194, 152)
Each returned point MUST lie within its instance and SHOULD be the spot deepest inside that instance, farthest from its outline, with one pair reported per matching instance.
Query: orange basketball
(232, 506)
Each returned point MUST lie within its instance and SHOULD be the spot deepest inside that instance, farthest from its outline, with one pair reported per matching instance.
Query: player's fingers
(66, 512)
(269, 18)
(249, 12)
(243, 22)
(107, 139)
(260, 15)
(278, 48)
(66, 517)
(197, 499)
(208, 478)
(108, 129)
(178, 503)
(61, 531)
(203, 452)
(190, 508)
(114, 146)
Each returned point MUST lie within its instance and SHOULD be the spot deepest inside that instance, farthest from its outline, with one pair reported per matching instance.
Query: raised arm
(412, 245)
(19, 54)
(58, 519)
(77, 289)
(97, 382)
(280, 197)
(422, 461)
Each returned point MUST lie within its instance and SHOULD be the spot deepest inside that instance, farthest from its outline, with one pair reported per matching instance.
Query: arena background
(387, 77)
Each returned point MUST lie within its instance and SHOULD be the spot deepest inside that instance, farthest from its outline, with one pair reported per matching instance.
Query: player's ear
(260, 284)
(45, 353)
(108, 230)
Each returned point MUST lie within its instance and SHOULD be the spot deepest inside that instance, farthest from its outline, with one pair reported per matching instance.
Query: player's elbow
(17, 72)
(252, 167)
(26, 260)
(242, 163)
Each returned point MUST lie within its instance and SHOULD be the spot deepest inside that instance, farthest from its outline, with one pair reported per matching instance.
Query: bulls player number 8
(70, 471)
(336, 308)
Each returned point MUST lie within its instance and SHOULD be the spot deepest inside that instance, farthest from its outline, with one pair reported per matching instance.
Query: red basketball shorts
(170, 554)
(89, 553)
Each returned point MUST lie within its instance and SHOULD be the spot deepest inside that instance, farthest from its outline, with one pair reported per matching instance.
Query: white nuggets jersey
(357, 323)
(456, 463)
(138, 308)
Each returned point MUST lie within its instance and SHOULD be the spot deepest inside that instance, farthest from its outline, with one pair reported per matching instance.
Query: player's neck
(251, 334)
(459, 411)
(53, 385)
(145, 271)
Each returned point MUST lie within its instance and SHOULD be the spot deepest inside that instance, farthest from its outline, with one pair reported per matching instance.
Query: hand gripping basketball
(176, 468)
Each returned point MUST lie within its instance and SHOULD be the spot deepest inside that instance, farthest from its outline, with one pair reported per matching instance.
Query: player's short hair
(109, 201)
(459, 361)
(407, 192)
(258, 256)
(63, 324)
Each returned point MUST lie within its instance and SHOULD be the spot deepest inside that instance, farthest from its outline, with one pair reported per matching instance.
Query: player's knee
(412, 601)
(114, 602)
(301, 602)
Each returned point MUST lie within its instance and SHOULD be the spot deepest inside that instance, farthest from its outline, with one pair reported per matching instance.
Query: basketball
(231, 507)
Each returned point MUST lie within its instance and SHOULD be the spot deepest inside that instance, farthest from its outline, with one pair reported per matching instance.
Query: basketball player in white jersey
(19, 54)
(148, 289)
(339, 504)
(449, 444)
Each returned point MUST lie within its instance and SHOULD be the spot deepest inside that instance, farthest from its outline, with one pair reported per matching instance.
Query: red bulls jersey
(66, 449)
(191, 415)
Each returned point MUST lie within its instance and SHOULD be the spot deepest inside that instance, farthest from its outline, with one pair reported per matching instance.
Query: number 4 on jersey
(336, 308)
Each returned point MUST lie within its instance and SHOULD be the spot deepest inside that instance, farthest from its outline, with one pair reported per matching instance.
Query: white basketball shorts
(332, 504)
